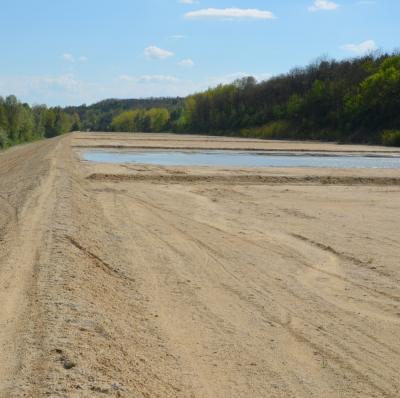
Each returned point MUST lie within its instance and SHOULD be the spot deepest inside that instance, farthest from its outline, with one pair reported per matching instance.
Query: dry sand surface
(137, 281)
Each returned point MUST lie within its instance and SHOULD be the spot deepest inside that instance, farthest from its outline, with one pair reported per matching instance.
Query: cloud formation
(148, 79)
(186, 63)
(70, 58)
(230, 13)
(323, 5)
(157, 53)
(361, 48)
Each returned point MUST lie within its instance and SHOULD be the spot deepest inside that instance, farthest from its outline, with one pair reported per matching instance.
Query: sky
(82, 51)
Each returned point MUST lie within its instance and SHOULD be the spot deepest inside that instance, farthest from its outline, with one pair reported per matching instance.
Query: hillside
(98, 117)
(354, 100)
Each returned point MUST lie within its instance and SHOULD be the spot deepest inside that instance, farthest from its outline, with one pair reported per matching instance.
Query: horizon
(123, 51)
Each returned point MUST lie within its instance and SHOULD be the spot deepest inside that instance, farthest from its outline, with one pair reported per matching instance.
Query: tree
(156, 119)
(3, 138)
(377, 102)
(13, 114)
(159, 119)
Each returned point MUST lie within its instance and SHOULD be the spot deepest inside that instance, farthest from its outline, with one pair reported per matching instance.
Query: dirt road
(139, 281)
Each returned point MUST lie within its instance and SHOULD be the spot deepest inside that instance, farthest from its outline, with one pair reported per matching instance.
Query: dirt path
(211, 287)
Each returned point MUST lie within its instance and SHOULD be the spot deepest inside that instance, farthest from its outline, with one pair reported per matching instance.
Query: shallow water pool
(240, 159)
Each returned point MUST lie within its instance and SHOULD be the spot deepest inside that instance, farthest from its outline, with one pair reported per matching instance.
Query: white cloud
(70, 58)
(231, 13)
(67, 82)
(157, 53)
(148, 78)
(188, 1)
(361, 48)
(186, 63)
(157, 79)
(323, 5)
(177, 37)
(126, 78)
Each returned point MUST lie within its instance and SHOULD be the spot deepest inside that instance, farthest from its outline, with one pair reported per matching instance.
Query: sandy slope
(169, 285)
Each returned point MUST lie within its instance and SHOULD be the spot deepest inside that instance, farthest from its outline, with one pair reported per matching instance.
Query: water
(240, 159)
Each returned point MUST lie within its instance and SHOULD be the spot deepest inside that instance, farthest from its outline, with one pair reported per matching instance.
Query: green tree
(159, 119)
(13, 109)
(3, 138)
(377, 103)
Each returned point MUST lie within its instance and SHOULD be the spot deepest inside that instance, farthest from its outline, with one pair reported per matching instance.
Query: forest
(99, 116)
(354, 100)
(21, 123)
(350, 101)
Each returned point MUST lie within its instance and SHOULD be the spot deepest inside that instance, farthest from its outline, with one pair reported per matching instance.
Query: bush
(278, 129)
(391, 138)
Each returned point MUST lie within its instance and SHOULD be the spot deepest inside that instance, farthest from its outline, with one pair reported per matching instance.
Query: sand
(148, 281)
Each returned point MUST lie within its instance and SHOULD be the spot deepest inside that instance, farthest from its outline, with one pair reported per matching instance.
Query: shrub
(391, 138)
(278, 129)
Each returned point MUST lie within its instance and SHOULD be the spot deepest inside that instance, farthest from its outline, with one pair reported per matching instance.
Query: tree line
(99, 116)
(21, 123)
(354, 100)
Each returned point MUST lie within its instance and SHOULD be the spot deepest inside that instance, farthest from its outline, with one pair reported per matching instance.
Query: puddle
(241, 159)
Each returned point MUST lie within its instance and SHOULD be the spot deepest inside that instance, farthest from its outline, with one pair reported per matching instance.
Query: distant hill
(98, 117)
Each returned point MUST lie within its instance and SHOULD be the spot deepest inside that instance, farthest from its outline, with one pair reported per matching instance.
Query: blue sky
(81, 51)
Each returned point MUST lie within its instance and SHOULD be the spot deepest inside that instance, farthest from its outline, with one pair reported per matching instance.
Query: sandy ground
(139, 281)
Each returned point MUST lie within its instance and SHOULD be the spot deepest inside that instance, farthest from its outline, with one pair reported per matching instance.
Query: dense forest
(354, 100)
(21, 123)
(99, 117)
